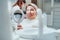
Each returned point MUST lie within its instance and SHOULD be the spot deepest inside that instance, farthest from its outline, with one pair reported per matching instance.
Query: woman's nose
(29, 11)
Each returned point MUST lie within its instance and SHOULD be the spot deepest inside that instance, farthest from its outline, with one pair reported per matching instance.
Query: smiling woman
(31, 20)
(31, 12)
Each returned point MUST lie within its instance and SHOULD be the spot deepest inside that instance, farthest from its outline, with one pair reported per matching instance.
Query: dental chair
(48, 33)
(32, 34)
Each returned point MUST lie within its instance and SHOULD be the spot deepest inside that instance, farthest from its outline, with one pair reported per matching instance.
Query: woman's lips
(31, 14)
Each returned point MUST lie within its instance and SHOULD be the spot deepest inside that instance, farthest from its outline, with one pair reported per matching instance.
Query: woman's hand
(19, 27)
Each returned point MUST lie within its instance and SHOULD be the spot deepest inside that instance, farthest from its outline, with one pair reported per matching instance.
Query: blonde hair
(33, 5)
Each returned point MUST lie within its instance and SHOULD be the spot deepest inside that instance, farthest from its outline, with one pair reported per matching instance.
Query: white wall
(49, 20)
(5, 28)
(28, 1)
(39, 3)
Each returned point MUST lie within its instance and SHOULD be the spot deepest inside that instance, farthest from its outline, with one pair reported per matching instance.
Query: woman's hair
(17, 3)
(33, 5)
(24, 1)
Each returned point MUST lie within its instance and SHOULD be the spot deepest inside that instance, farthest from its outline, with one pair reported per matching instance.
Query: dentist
(19, 8)
(18, 12)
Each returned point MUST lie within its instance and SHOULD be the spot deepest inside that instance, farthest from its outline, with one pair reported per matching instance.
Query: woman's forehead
(30, 7)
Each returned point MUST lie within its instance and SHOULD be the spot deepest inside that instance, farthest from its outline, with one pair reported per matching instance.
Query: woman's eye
(27, 10)
(32, 9)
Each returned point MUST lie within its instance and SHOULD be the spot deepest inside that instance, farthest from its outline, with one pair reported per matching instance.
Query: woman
(30, 24)
(31, 21)
(17, 12)
(20, 3)
(19, 8)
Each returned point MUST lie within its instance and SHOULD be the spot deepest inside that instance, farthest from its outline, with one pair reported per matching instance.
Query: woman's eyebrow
(31, 9)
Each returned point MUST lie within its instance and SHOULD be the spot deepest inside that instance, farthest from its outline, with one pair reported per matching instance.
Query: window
(57, 1)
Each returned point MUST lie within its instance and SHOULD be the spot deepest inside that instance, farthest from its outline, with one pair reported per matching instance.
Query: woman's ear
(36, 13)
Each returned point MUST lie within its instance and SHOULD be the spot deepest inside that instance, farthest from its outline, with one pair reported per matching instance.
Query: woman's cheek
(32, 13)
(27, 15)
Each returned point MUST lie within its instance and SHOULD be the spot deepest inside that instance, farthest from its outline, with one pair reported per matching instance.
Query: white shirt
(26, 23)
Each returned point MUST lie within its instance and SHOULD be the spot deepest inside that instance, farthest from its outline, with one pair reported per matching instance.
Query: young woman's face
(31, 12)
